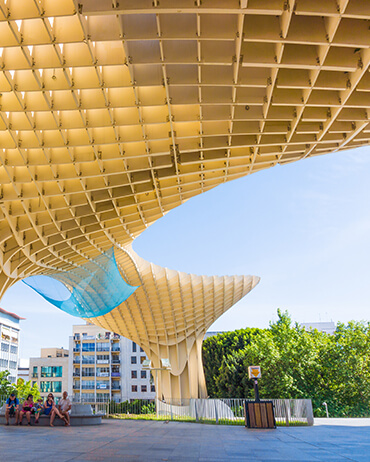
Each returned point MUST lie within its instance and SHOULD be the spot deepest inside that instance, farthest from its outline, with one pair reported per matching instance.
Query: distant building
(24, 369)
(9, 348)
(327, 327)
(212, 333)
(50, 371)
(106, 366)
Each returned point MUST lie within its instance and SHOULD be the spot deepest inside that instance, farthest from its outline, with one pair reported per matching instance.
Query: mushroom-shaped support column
(168, 316)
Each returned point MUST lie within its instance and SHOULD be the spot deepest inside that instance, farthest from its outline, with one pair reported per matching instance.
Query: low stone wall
(81, 415)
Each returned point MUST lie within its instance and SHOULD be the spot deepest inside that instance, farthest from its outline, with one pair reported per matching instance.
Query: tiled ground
(125, 440)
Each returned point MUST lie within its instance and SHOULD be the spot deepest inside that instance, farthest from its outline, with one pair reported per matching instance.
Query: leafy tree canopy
(21, 389)
(295, 364)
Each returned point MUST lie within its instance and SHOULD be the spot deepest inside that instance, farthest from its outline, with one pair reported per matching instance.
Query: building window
(134, 388)
(101, 397)
(4, 346)
(101, 359)
(102, 385)
(115, 371)
(88, 384)
(152, 388)
(133, 360)
(34, 372)
(88, 347)
(102, 371)
(53, 387)
(88, 372)
(87, 359)
(141, 350)
(56, 387)
(51, 371)
(102, 346)
(134, 374)
(13, 349)
(12, 365)
(3, 362)
(143, 374)
(133, 347)
(45, 387)
(142, 359)
(143, 388)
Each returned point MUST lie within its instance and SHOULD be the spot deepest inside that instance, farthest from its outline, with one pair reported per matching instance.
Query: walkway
(127, 440)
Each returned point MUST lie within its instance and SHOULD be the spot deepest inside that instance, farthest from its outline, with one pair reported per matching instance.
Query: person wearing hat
(12, 408)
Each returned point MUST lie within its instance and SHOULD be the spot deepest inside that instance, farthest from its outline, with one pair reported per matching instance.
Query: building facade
(106, 366)
(50, 371)
(9, 343)
(24, 369)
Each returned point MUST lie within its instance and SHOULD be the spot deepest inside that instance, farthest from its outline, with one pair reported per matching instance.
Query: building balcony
(116, 374)
(87, 375)
(116, 388)
(116, 349)
(77, 349)
(76, 374)
(116, 361)
(76, 361)
(102, 386)
(76, 386)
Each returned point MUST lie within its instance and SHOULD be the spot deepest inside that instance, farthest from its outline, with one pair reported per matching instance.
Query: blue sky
(303, 228)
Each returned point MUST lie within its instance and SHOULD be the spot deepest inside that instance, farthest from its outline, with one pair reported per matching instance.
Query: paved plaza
(128, 440)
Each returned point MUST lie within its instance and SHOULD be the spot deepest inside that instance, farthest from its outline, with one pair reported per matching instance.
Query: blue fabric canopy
(87, 291)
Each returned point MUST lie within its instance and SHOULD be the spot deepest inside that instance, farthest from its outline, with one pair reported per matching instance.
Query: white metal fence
(218, 411)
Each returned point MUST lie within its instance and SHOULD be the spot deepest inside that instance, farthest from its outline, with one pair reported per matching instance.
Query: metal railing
(217, 411)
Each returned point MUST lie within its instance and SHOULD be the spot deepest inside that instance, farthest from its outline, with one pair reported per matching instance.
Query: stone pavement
(130, 440)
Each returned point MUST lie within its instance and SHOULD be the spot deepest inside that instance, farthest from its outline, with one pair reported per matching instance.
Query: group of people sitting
(49, 408)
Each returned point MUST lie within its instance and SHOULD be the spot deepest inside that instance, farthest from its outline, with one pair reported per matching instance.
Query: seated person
(39, 407)
(65, 407)
(12, 408)
(51, 409)
(27, 408)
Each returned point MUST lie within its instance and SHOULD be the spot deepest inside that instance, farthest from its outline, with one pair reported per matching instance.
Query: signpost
(254, 373)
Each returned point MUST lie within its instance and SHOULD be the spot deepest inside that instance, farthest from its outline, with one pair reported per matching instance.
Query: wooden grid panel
(113, 113)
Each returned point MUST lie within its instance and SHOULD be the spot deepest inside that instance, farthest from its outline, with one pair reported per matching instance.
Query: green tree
(295, 364)
(221, 359)
(23, 389)
(6, 387)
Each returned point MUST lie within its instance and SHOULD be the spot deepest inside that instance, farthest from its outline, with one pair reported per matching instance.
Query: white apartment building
(50, 371)
(9, 343)
(106, 366)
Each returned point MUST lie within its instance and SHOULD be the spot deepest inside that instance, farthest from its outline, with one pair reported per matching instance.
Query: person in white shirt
(65, 407)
